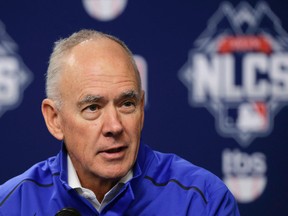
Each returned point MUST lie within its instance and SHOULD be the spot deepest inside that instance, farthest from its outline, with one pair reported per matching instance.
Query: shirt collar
(73, 180)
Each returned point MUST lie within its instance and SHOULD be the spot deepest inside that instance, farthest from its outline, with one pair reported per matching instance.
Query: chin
(116, 174)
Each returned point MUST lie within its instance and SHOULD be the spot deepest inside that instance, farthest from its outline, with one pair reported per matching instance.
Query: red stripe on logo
(244, 43)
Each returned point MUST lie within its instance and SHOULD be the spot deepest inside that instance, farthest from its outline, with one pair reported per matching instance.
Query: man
(95, 105)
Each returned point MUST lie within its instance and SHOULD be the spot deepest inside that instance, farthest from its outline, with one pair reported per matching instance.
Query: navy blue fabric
(163, 184)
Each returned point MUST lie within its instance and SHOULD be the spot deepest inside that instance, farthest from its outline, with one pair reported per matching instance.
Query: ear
(52, 118)
(142, 109)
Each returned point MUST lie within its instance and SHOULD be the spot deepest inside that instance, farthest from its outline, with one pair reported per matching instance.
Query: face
(102, 113)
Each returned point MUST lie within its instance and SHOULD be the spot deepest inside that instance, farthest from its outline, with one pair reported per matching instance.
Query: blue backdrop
(215, 73)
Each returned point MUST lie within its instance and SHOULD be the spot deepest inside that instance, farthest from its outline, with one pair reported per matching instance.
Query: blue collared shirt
(162, 184)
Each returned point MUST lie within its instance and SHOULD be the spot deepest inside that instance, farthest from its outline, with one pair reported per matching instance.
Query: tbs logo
(244, 174)
(14, 75)
(238, 70)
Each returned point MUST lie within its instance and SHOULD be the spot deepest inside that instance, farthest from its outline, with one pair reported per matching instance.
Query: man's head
(95, 104)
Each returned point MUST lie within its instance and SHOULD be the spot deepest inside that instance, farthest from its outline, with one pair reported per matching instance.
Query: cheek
(71, 129)
(80, 142)
(74, 125)
(136, 121)
(134, 128)
(139, 126)
(76, 133)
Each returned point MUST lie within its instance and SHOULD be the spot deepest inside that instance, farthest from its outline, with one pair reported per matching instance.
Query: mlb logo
(245, 119)
(252, 117)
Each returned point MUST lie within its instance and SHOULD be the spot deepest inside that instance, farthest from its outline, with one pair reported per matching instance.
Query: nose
(112, 125)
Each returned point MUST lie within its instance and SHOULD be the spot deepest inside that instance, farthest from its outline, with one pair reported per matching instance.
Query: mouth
(114, 150)
(114, 153)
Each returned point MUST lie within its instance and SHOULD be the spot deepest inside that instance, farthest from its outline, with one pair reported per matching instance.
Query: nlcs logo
(14, 76)
(238, 70)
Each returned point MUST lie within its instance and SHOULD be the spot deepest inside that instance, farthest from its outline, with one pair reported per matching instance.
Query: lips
(115, 153)
(115, 150)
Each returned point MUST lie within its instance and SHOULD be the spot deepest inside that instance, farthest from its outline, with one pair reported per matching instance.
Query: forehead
(98, 63)
(97, 51)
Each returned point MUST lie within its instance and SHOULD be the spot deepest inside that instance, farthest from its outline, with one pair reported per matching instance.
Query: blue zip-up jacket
(163, 184)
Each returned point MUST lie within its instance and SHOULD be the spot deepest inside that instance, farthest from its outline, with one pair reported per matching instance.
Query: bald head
(63, 48)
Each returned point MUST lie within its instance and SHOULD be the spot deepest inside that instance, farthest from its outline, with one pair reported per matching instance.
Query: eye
(128, 104)
(92, 108)
(91, 112)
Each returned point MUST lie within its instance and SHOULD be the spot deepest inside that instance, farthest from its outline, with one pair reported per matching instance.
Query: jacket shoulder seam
(163, 184)
(22, 182)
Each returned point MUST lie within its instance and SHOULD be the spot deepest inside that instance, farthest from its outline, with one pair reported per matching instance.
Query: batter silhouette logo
(14, 75)
(238, 70)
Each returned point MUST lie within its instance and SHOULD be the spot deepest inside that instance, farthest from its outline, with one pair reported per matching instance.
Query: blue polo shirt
(162, 184)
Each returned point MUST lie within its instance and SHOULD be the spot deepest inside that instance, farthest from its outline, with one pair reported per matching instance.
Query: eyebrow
(90, 99)
(129, 94)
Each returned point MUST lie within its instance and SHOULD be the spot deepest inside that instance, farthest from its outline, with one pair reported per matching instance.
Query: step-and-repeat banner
(215, 75)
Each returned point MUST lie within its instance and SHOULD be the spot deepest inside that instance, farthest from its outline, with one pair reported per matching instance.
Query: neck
(100, 188)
